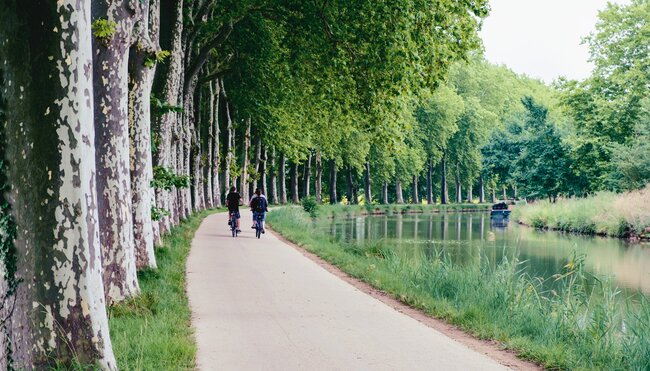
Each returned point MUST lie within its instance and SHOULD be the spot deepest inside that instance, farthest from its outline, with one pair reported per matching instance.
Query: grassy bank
(153, 331)
(334, 210)
(576, 326)
(606, 213)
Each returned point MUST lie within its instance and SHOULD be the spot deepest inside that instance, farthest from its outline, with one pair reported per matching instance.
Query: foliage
(159, 107)
(158, 213)
(164, 178)
(310, 205)
(157, 57)
(607, 107)
(542, 168)
(104, 29)
(630, 165)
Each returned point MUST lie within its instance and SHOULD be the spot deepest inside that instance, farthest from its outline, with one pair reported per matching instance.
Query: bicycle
(233, 224)
(259, 225)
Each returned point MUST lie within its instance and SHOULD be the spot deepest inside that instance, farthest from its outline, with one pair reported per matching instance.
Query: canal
(473, 238)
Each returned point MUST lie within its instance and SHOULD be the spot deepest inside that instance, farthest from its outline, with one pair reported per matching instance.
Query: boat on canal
(500, 211)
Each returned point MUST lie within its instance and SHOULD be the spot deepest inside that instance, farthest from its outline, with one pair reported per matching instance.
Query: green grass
(606, 213)
(153, 331)
(577, 326)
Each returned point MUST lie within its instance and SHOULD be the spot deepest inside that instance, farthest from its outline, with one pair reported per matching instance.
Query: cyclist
(259, 206)
(233, 200)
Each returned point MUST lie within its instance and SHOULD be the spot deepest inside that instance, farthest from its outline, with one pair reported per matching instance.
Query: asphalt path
(262, 305)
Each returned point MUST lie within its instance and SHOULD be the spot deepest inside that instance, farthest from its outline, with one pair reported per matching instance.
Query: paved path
(261, 305)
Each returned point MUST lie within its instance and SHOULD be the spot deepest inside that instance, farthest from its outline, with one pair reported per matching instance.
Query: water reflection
(467, 238)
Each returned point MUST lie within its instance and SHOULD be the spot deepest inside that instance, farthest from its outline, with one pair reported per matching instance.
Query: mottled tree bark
(282, 172)
(140, 84)
(318, 187)
(273, 181)
(505, 195)
(111, 89)
(216, 150)
(444, 193)
(415, 194)
(399, 196)
(208, 169)
(332, 184)
(384, 194)
(58, 312)
(194, 121)
(166, 155)
(229, 141)
(294, 183)
(368, 182)
(481, 186)
(470, 195)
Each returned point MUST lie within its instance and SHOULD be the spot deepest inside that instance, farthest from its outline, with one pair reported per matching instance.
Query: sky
(542, 38)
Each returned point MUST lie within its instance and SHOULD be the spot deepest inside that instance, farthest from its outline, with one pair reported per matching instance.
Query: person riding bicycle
(259, 206)
(233, 200)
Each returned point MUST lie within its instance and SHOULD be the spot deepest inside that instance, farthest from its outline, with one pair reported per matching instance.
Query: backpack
(259, 204)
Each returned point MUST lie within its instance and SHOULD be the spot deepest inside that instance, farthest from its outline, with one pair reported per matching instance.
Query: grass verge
(606, 213)
(577, 326)
(153, 331)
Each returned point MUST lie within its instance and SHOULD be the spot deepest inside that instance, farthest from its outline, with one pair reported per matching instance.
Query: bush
(311, 206)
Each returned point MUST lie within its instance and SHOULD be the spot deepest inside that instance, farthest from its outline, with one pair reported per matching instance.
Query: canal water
(472, 238)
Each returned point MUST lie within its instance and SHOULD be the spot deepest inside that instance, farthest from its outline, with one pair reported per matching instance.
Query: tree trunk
(368, 182)
(481, 186)
(494, 195)
(230, 146)
(208, 170)
(352, 196)
(165, 157)
(111, 89)
(263, 170)
(258, 161)
(318, 187)
(514, 191)
(282, 172)
(273, 182)
(505, 195)
(58, 311)
(470, 195)
(141, 82)
(459, 190)
(193, 121)
(444, 193)
(416, 194)
(399, 196)
(429, 182)
(306, 178)
(216, 148)
(243, 182)
(384, 194)
(294, 183)
(333, 170)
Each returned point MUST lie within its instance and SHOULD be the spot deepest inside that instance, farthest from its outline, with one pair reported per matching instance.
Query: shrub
(311, 206)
